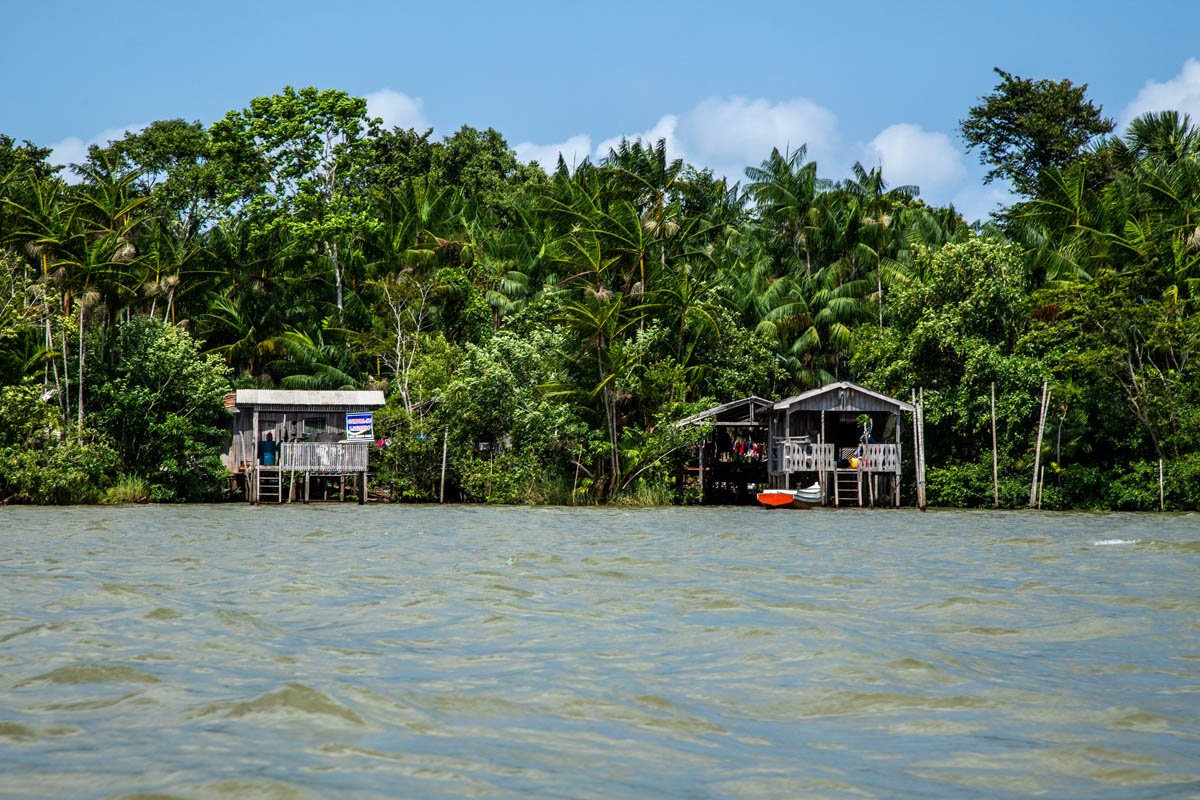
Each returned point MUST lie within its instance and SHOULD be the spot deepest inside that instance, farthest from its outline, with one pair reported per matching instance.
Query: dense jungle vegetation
(573, 316)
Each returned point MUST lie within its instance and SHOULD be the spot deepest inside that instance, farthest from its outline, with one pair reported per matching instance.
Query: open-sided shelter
(731, 462)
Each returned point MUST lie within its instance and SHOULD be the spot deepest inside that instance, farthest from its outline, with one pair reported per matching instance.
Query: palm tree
(784, 188)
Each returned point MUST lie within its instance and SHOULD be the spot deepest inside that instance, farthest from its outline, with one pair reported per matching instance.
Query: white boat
(791, 498)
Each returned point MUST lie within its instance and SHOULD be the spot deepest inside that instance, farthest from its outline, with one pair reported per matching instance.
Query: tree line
(565, 319)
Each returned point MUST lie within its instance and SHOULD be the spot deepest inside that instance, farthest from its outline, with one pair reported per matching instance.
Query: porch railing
(333, 457)
(789, 455)
(880, 458)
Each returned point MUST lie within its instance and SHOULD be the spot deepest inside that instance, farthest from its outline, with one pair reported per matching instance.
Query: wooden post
(445, 445)
(362, 497)
(835, 489)
(1041, 486)
(995, 459)
(1037, 451)
(306, 488)
(703, 447)
(787, 437)
(575, 483)
(1161, 498)
(921, 499)
(899, 459)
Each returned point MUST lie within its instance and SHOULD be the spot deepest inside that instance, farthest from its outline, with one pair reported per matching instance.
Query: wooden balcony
(801, 455)
(324, 458)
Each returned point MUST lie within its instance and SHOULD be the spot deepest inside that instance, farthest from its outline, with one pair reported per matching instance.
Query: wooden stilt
(445, 445)
(1161, 496)
(899, 461)
(1037, 450)
(922, 500)
(995, 458)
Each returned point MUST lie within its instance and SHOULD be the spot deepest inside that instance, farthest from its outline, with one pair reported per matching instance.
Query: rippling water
(230, 651)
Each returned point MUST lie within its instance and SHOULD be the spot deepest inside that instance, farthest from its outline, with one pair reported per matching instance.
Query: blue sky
(883, 83)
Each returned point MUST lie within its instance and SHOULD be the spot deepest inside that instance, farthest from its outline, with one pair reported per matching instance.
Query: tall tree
(292, 160)
(1027, 126)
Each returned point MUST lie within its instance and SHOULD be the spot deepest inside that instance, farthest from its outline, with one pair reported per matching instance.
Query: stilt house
(281, 437)
(844, 436)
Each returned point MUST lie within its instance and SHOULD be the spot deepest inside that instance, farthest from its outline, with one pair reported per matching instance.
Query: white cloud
(730, 134)
(1181, 93)
(74, 150)
(976, 202)
(911, 155)
(573, 151)
(397, 110)
(664, 129)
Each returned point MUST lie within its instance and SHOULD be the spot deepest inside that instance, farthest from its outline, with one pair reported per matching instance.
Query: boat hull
(791, 498)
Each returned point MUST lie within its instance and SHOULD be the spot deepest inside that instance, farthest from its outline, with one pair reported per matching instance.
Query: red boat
(791, 498)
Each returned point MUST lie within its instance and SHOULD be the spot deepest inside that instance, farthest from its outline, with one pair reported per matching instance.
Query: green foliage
(566, 322)
(512, 479)
(127, 489)
(43, 462)
(968, 484)
(161, 402)
(1026, 127)
(75, 470)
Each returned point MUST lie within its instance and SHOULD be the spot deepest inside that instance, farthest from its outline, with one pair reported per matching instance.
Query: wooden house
(731, 463)
(280, 436)
(843, 435)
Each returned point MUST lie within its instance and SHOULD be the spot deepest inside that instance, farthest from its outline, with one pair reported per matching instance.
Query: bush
(510, 478)
(127, 489)
(161, 403)
(75, 470)
(41, 460)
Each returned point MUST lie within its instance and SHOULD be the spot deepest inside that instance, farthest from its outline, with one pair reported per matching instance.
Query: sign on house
(360, 426)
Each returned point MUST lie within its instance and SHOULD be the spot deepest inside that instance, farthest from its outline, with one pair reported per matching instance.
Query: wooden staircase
(268, 485)
(847, 487)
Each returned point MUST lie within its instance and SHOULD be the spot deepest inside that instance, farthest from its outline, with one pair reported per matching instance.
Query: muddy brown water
(295, 652)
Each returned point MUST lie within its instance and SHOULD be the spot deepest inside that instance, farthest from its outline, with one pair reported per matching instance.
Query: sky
(884, 84)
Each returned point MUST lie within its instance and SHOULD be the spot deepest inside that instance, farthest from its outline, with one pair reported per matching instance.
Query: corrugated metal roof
(799, 399)
(293, 397)
(718, 411)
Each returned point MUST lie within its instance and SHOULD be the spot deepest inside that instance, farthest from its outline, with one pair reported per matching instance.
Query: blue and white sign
(360, 426)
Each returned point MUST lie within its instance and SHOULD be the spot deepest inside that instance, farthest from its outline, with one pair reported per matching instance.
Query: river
(403, 651)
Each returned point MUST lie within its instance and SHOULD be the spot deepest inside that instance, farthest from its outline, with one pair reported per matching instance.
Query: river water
(320, 651)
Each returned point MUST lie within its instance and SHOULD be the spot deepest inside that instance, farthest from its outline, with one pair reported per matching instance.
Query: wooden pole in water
(921, 499)
(445, 444)
(575, 484)
(1037, 451)
(1161, 498)
(916, 450)
(924, 485)
(995, 460)
(1041, 486)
